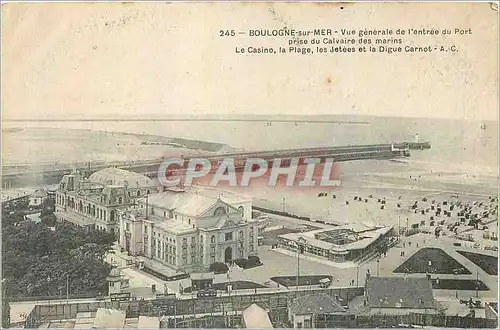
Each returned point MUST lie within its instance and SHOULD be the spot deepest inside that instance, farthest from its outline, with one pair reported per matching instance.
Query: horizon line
(343, 118)
(265, 120)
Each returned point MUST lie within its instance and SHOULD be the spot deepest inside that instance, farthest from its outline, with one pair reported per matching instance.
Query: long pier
(25, 175)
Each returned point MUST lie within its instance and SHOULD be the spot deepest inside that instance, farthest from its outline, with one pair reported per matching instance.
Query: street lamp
(378, 267)
(477, 283)
(357, 274)
(300, 249)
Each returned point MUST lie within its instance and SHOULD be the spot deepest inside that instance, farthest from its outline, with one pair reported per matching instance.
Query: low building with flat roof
(343, 243)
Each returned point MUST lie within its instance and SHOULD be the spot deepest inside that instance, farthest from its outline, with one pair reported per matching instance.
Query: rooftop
(400, 292)
(84, 320)
(115, 272)
(146, 322)
(182, 202)
(104, 318)
(174, 226)
(39, 193)
(202, 276)
(191, 202)
(320, 303)
(225, 195)
(119, 177)
(348, 237)
(256, 317)
(109, 318)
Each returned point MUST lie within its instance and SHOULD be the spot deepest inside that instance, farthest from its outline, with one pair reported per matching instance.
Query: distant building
(36, 199)
(399, 296)
(318, 310)
(188, 230)
(94, 202)
(351, 242)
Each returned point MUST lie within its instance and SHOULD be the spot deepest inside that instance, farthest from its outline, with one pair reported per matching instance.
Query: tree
(219, 268)
(48, 207)
(49, 220)
(253, 261)
(37, 260)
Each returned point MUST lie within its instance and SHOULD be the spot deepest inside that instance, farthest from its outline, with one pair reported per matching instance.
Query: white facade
(37, 198)
(190, 230)
(95, 202)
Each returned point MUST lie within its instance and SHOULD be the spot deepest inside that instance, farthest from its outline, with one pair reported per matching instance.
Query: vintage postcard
(249, 165)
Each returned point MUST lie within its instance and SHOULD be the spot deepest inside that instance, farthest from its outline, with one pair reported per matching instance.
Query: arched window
(120, 200)
(212, 239)
(148, 192)
(138, 193)
(241, 234)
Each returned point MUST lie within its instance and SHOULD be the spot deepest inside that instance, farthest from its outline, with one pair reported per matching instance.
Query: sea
(463, 157)
(464, 146)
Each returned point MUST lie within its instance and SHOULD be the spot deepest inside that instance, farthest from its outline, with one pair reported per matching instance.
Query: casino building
(94, 202)
(188, 229)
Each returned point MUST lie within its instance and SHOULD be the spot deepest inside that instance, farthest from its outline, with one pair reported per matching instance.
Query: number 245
(227, 33)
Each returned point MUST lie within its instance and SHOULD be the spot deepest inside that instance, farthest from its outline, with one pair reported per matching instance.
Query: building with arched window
(190, 229)
(94, 201)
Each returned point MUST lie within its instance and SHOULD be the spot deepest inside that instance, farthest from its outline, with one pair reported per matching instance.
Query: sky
(119, 60)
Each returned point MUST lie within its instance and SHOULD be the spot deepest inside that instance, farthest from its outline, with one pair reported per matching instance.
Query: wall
(276, 302)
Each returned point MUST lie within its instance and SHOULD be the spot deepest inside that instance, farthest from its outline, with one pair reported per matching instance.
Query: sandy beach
(400, 188)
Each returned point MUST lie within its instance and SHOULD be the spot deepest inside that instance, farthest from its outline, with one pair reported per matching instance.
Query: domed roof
(114, 273)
